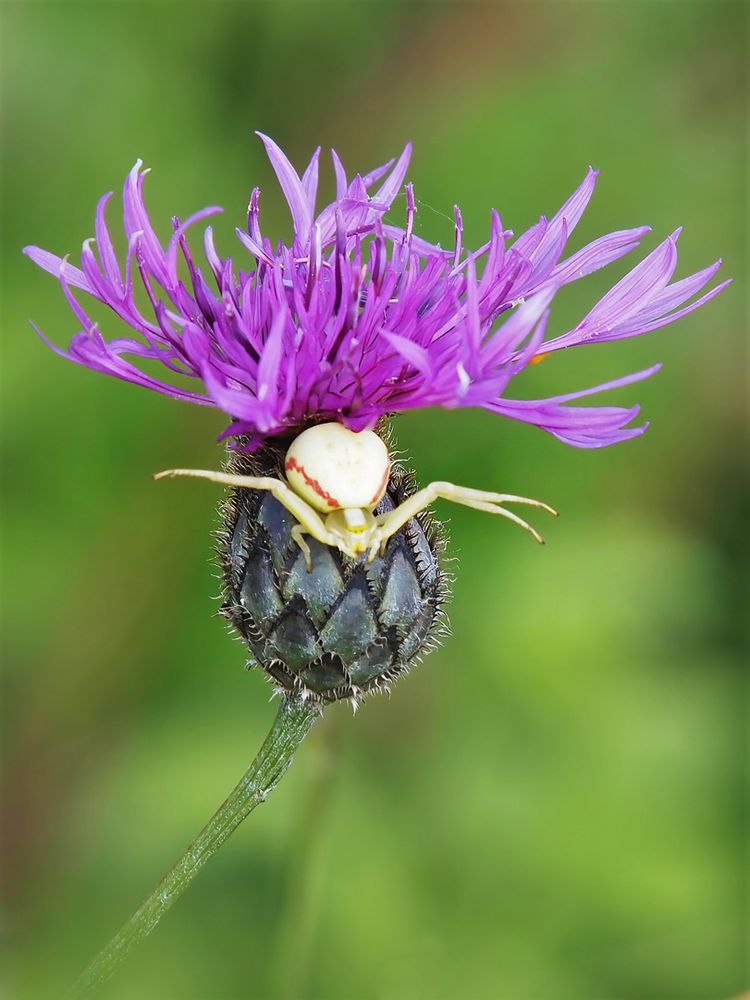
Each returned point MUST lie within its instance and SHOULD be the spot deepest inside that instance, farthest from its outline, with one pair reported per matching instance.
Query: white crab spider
(334, 480)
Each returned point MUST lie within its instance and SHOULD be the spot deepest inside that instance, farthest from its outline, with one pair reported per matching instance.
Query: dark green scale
(346, 627)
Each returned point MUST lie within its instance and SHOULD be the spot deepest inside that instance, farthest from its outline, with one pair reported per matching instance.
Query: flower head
(358, 317)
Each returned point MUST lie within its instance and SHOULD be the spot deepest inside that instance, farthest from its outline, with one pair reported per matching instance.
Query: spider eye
(334, 468)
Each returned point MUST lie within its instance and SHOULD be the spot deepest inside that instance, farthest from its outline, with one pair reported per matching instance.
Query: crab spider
(335, 478)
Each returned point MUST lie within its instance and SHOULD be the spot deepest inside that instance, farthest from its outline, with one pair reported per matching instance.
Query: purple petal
(636, 288)
(310, 181)
(341, 182)
(56, 266)
(678, 292)
(642, 327)
(575, 206)
(505, 340)
(104, 244)
(598, 254)
(390, 188)
(136, 221)
(291, 186)
(373, 176)
(414, 354)
(583, 427)
(255, 248)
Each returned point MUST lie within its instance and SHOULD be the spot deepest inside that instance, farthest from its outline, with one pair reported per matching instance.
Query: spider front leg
(389, 523)
(309, 520)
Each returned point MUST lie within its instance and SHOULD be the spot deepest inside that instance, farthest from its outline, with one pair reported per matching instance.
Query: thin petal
(55, 265)
(341, 182)
(292, 187)
(391, 187)
(598, 254)
(575, 206)
(310, 181)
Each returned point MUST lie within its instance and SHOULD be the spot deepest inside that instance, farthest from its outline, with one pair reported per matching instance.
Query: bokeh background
(549, 807)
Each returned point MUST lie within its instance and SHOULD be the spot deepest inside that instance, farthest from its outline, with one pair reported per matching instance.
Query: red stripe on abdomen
(292, 463)
(381, 489)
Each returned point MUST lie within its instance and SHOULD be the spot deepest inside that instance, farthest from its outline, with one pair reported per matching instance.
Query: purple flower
(358, 318)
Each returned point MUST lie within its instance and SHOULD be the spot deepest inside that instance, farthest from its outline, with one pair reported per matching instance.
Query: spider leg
(298, 532)
(392, 521)
(309, 520)
(377, 547)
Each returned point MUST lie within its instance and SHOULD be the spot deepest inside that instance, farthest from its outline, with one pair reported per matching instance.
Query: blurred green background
(550, 806)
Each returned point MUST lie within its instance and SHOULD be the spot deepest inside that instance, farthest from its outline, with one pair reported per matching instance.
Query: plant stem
(292, 724)
(302, 891)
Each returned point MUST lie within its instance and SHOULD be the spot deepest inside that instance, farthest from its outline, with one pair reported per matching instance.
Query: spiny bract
(347, 627)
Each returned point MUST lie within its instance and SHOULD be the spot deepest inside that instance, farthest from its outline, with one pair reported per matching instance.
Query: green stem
(292, 724)
(302, 890)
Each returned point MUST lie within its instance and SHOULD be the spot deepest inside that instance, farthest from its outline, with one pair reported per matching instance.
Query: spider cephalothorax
(335, 478)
